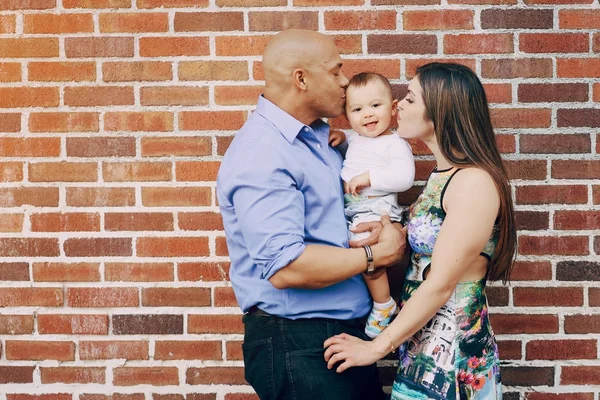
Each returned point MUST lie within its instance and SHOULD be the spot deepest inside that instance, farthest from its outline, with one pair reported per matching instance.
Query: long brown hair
(456, 103)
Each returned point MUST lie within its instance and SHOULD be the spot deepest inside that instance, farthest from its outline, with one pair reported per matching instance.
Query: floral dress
(455, 355)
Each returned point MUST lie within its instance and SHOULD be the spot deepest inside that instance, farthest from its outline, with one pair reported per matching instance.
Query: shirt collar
(289, 126)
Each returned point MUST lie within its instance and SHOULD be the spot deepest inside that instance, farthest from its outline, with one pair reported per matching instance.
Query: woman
(462, 233)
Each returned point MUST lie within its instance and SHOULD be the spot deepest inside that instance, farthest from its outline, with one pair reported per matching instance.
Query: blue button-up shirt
(279, 189)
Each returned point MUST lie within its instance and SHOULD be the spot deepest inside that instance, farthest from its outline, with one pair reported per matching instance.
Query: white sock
(383, 306)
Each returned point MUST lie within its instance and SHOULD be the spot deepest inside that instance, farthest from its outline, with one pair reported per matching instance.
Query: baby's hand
(336, 138)
(358, 183)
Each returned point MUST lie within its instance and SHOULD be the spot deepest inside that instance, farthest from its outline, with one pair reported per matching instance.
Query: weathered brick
(437, 20)
(138, 272)
(186, 171)
(545, 245)
(187, 350)
(576, 169)
(82, 96)
(57, 23)
(528, 376)
(17, 271)
(553, 92)
(241, 45)
(516, 68)
(555, 144)
(136, 71)
(213, 70)
(61, 71)
(16, 374)
(547, 297)
(162, 324)
(532, 220)
(136, 171)
(155, 376)
(209, 21)
(138, 221)
(215, 324)
(360, 20)
(200, 221)
(133, 22)
(579, 19)
(72, 375)
(516, 19)
(154, 121)
(101, 147)
(496, 43)
(552, 194)
(65, 222)
(203, 271)
(98, 247)
(94, 47)
(100, 197)
(102, 297)
(28, 47)
(172, 246)
(176, 197)
(66, 272)
(15, 325)
(174, 96)
(106, 350)
(554, 42)
(580, 375)
(577, 271)
(402, 44)
(69, 324)
(584, 117)
(176, 146)
(215, 375)
(276, 21)
(63, 171)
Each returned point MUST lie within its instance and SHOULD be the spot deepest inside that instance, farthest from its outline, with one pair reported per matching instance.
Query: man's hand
(373, 227)
(358, 183)
(391, 245)
(336, 138)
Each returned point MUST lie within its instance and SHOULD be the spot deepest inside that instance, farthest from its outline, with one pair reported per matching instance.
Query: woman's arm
(471, 203)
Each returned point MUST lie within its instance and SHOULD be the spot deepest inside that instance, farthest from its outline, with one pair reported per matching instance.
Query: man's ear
(299, 76)
(394, 107)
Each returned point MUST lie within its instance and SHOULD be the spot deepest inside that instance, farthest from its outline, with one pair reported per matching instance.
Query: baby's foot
(379, 318)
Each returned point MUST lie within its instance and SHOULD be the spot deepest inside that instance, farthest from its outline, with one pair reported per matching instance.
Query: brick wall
(114, 116)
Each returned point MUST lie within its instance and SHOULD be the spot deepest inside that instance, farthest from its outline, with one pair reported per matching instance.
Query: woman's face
(412, 122)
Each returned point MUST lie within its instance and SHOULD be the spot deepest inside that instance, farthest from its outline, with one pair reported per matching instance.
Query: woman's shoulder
(472, 182)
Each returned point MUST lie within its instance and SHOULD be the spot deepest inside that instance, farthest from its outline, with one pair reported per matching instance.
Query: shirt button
(305, 129)
(318, 146)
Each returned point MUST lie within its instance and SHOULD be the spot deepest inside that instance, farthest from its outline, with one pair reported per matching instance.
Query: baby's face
(370, 109)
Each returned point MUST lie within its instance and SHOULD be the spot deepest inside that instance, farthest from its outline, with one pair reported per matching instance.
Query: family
(312, 224)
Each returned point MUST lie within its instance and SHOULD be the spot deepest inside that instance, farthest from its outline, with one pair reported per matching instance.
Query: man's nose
(343, 80)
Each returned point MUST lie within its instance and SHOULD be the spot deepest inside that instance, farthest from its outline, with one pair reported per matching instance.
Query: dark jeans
(284, 360)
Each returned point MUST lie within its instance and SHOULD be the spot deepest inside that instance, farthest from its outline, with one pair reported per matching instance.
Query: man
(280, 196)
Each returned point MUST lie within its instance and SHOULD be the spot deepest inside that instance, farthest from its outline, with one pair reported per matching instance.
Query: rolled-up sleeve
(270, 210)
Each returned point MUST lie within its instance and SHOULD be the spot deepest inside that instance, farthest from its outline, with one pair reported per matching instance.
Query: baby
(378, 164)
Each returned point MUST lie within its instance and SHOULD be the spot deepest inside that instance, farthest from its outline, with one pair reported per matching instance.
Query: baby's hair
(363, 78)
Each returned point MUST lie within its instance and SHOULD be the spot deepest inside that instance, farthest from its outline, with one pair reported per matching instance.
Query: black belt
(258, 312)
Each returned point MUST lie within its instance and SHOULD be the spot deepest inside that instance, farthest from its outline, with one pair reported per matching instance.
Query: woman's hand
(350, 351)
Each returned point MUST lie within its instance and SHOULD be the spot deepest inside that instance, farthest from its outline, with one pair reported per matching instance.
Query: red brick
(155, 376)
(437, 20)
(521, 323)
(172, 246)
(215, 375)
(237, 95)
(211, 120)
(100, 197)
(186, 171)
(11, 222)
(53, 396)
(577, 220)
(360, 20)
(215, 324)
(16, 374)
(478, 43)
(65, 222)
(203, 271)
(556, 92)
(136, 71)
(17, 271)
(99, 96)
(546, 245)
(64, 122)
(233, 350)
(579, 19)
(561, 396)
(97, 247)
(176, 146)
(28, 247)
(94, 47)
(174, 96)
(250, 3)
(16, 97)
(72, 375)
(588, 117)
(136, 171)
(29, 147)
(558, 1)
(200, 221)
(225, 297)
(521, 118)
(61, 71)
(244, 396)
(241, 45)
(40, 350)
(138, 221)
(402, 44)
(510, 349)
(209, 21)
(548, 194)
(138, 272)
(176, 197)
(63, 172)
(594, 297)
(106, 350)
(96, 3)
(555, 144)
(576, 169)
(171, 3)
(390, 68)
(57, 23)
(276, 21)
(155, 121)
(596, 194)
(69, 324)
(28, 47)
(175, 297)
(582, 324)
(6, 5)
(35, 196)
(491, 2)
(517, 68)
(404, 2)
(561, 349)
(528, 376)
(66, 272)
(10, 122)
(596, 94)
(348, 44)
(316, 3)
(147, 324)
(101, 147)
(133, 22)
(223, 143)
(174, 46)
(532, 220)
(580, 375)
(102, 297)
(11, 171)
(498, 92)
(113, 396)
(187, 350)
(213, 70)
(221, 246)
(547, 297)
(526, 169)
(596, 43)
(43, 297)
(10, 72)
(578, 67)
(554, 42)
(516, 19)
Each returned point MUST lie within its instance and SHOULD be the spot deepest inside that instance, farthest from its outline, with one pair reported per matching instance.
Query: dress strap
(444, 190)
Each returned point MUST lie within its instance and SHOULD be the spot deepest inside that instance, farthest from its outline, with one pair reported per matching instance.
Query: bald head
(294, 49)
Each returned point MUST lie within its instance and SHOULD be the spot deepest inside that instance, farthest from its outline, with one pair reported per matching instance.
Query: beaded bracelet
(390, 339)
